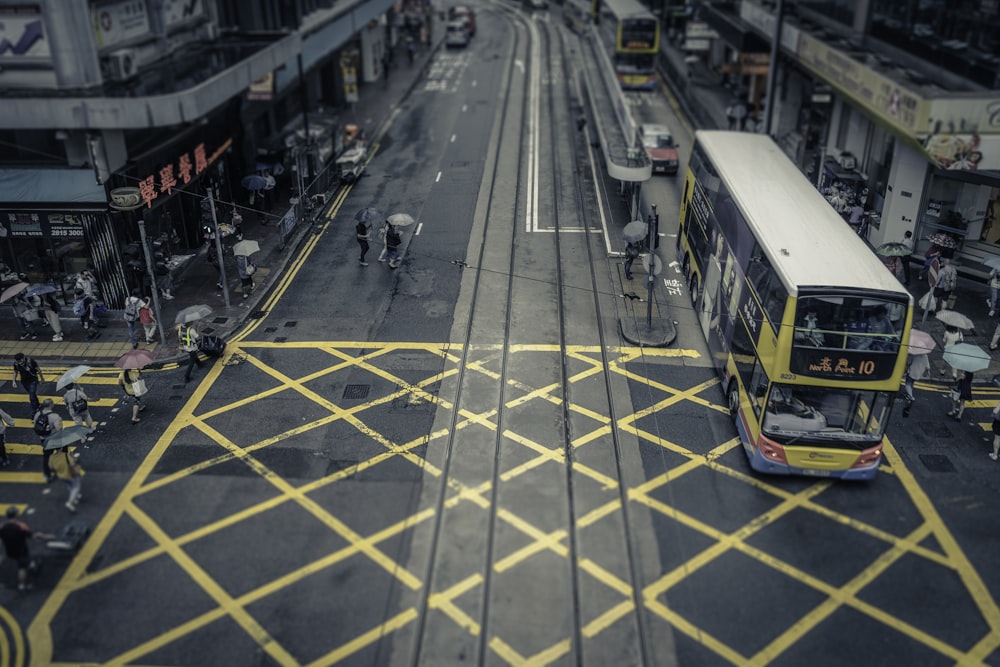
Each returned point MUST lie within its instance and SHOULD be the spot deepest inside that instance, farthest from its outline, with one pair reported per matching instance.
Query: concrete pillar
(71, 42)
(903, 195)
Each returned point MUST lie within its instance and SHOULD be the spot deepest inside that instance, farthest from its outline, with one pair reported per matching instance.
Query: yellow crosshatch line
(77, 578)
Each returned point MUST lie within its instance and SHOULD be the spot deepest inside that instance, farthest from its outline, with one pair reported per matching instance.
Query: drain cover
(291, 323)
(270, 329)
(937, 463)
(357, 391)
(280, 339)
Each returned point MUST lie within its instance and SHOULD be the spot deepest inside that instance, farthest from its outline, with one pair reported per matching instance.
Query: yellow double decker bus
(807, 327)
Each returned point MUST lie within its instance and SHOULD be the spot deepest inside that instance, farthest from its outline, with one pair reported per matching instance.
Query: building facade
(172, 97)
(895, 99)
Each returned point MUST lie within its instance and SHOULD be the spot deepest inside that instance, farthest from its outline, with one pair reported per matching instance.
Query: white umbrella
(192, 314)
(635, 231)
(954, 319)
(400, 220)
(246, 247)
(71, 376)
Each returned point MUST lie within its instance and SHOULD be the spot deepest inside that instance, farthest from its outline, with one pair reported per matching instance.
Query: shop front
(966, 207)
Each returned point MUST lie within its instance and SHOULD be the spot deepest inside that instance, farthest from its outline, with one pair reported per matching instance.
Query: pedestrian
(76, 400)
(382, 233)
(187, 339)
(134, 386)
(946, 283)
(362, 235)
(246, 269)
(994, 291)
(917, 368)
(908, 242)
(995, 454)
(27, 371)
(215, 260)
(27, 317)
(15, 535)
(66, 468)
(50, 309)
(5, 421)
(631, 252)
(392, 242)
(411, 49)
(131, 315)
(87, 282)
(855, 217)
(85, 306)
(960, 393)
(952, 336)
(148, 320)
(45, 422)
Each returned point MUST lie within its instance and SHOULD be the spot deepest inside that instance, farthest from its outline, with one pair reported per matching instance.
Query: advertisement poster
(40, 224)
(22, 34)
(118, 22)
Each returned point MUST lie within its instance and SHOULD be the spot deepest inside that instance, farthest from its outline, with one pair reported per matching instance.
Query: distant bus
(806, 326)
(578, 15)
(631, 35)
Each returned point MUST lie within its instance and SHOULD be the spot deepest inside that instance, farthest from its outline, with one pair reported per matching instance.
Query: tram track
(485, 505)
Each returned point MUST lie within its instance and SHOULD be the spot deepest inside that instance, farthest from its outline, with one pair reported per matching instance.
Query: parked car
(456, 34)
(464, 14)
(659, 144)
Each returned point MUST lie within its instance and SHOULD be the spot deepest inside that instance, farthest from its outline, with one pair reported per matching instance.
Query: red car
(463, 13)
(660, 146)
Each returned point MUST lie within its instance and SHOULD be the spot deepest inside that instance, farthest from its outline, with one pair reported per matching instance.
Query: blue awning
(20, 187)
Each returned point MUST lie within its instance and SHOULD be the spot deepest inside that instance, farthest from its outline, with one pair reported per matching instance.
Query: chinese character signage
(119, 21)
(40, 224)
(178, 173)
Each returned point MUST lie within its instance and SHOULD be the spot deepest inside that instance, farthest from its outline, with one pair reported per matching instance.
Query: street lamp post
(128, 199)
(218, 246)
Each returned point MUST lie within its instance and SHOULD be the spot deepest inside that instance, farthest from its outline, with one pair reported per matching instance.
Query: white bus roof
(627, 9)
(808, 242)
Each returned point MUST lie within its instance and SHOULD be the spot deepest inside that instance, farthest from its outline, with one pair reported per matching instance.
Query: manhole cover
(357, 391)
(937, 463)
(291, 323)
(935, 429)
(270, 329)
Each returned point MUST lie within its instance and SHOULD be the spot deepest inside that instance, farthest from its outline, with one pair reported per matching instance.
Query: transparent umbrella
(192, 313)
(71, 376)
(921, 342)
(400, 219)
(66, 437)
(13, 291)
(954, 319)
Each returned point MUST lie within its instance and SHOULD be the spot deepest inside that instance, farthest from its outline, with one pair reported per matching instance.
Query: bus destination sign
(842, 364)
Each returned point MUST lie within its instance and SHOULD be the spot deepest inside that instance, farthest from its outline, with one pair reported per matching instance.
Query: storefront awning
(20, 187)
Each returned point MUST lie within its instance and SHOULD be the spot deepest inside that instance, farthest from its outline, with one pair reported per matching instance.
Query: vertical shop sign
(349, 61)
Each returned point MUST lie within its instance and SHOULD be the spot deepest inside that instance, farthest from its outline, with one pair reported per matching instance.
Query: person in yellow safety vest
(187, 337)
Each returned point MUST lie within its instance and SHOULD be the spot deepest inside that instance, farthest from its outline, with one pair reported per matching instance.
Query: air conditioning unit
(121, 64)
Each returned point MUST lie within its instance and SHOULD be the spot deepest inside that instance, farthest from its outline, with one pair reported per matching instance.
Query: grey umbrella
(71, 376)
(66, 437)
(192, 314)
(368, 214)
(400, 219)
(39, 288)
(13, 291)
(635, 231)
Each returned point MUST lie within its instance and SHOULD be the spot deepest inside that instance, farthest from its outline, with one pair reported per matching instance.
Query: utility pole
(150, 269)
(218, 245)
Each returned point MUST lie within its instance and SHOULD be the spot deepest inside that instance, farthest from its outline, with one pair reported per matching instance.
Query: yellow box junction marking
(345, 357)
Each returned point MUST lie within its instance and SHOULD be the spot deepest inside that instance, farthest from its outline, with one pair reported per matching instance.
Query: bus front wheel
(733, 399)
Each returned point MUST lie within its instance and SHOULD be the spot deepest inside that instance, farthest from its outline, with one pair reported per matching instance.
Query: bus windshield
(822, 415)
(849, 323)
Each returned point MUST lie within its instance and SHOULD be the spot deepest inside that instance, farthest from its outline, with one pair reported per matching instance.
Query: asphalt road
(460, 462)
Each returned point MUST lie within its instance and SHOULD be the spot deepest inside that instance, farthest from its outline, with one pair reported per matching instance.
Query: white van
(456, 34)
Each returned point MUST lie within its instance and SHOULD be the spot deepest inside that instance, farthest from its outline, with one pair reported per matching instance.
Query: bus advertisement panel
(807, 328)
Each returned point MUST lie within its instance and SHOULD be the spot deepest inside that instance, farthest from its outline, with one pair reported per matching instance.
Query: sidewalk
(196, 283)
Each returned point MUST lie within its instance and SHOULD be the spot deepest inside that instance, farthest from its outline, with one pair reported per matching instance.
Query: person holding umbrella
(65, 467)
(134, 387)
(952, 336)
(46, 423)
(5, 421)
(961, 393)
(631, 253)
(76, 400)
(26, 315)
